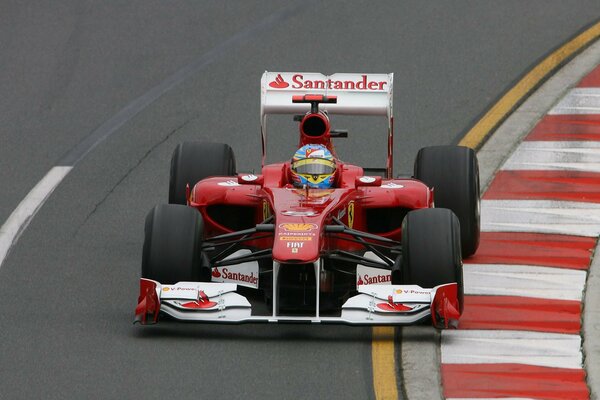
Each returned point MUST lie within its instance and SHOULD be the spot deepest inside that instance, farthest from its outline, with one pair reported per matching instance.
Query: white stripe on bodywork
(570, 156)
(524, 280)
(518, 347)
(20, 217)
(579, 101)
(541, 216)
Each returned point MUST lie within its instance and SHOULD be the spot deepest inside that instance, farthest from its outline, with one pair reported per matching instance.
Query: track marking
(555, 156)
(524, 280)
(543, 349)
(541, 216)
(19, 219)
(475, 137)
(384, 363)
(22, 215)
(111, 125)
(492, 118)
(578, 101)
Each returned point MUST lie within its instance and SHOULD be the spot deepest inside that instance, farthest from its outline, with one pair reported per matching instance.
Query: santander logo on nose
(279, 83)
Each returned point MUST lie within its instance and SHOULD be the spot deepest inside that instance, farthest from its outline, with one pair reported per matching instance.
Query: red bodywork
(303, 213)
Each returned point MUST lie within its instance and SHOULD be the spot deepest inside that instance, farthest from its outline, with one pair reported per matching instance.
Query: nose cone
(297, 241)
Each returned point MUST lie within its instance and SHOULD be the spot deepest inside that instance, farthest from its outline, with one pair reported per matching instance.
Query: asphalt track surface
(69, 286)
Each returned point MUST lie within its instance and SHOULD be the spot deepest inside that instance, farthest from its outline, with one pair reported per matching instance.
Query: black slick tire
(431, 250)
(453, 173)
(194, 161)
(172, 244)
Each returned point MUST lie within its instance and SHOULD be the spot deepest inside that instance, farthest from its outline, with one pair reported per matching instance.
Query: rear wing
(357, 94)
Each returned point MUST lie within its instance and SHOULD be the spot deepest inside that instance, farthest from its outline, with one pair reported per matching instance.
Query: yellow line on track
(383, 353)
(384, 363)
(475, 137)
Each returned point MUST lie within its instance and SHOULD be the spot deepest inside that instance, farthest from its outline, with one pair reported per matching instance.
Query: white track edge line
(28, 207)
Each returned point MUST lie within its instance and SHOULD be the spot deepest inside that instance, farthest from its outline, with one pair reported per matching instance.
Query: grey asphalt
(68, 289)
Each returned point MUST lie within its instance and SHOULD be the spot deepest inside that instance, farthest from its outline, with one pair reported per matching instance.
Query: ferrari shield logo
(266, 210)
(350, 214)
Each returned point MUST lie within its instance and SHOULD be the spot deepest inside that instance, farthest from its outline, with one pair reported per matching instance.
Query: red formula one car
(369, 249)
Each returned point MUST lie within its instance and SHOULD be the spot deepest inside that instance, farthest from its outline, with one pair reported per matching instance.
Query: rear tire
(193, 161)
(431, 250)
(453, 173)
(172, 245)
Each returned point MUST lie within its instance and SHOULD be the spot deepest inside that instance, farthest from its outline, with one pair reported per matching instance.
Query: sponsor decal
(392, 185)
(373, 280)
(297, 234)
(393, 307)
(315, 153)
(249, 178)
(228, 183)
(279, 83)
(366, 179)
(179, 292)
(413, 291)
(294, 250)
(226, 275)
(372, 276)
(290, 227)
(351, 214)
(296, 238)
(294, 244)
(376, 279)
(409, 294)
(359, 281)
(244, 274)
(299, 82)
(178, 288)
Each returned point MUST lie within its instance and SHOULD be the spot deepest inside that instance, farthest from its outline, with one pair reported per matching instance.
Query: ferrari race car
(369, 250)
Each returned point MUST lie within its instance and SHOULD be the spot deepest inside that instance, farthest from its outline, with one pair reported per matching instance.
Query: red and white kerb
(519, 336)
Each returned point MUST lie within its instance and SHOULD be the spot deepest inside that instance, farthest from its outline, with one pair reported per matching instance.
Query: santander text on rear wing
(355, 93)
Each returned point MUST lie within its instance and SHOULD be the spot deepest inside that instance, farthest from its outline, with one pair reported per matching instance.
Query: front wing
(374, 305)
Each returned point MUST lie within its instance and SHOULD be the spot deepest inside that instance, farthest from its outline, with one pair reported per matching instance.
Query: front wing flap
(374, 305)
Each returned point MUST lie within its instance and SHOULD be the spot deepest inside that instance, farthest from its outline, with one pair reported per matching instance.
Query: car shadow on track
(254, 332)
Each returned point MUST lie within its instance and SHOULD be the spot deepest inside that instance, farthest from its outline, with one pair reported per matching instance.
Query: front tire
(172, 245)
(431, 250)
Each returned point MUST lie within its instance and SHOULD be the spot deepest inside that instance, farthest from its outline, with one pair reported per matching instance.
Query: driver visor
(314, 166)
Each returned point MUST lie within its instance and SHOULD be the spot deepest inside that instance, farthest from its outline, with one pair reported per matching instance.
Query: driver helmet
(313, 165)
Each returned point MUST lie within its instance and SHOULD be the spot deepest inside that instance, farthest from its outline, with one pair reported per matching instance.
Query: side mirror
(367, 181)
